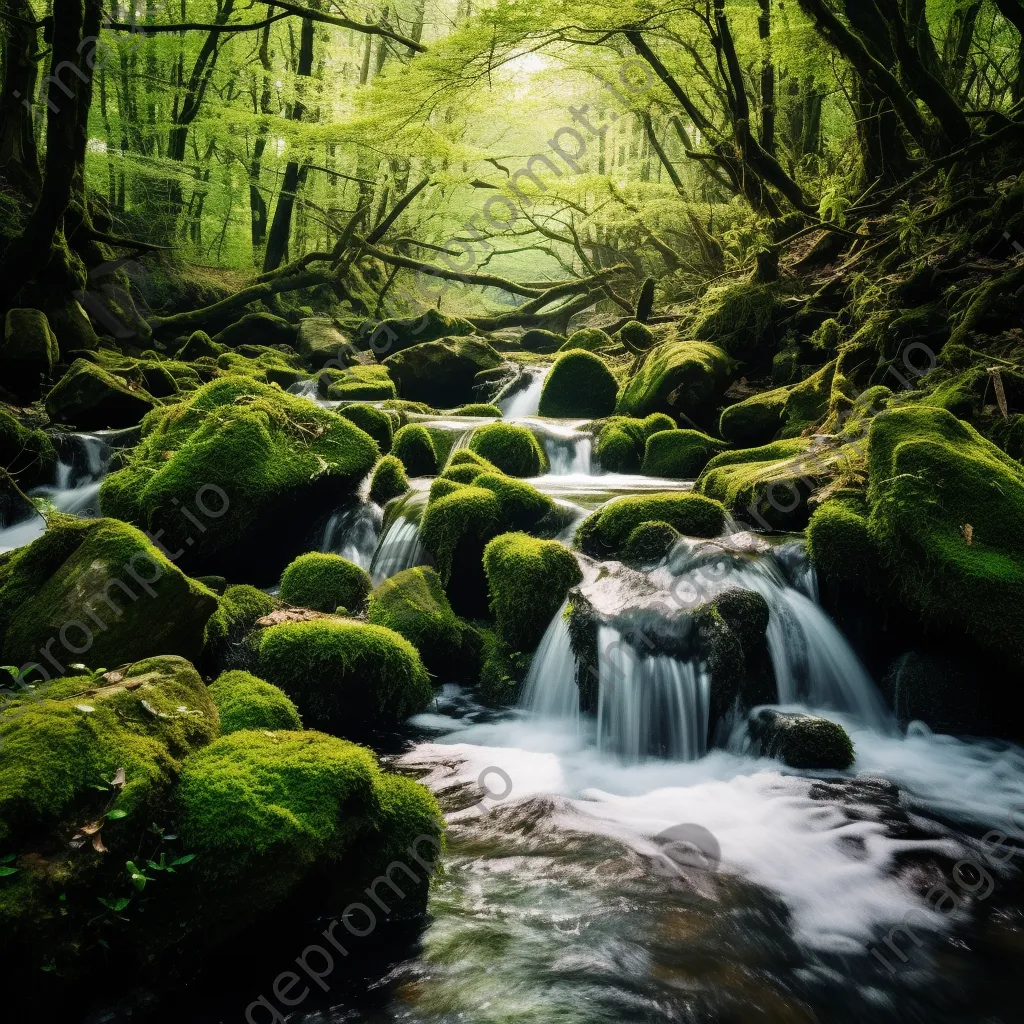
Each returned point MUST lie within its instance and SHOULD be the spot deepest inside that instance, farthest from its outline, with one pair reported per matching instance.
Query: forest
(510, 510)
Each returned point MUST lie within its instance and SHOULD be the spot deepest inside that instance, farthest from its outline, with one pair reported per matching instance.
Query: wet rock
(28, 352)
(442, 373)
(801, 741)
(87, 397)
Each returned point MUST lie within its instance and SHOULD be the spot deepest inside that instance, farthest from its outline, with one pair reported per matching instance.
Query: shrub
(512, 449)
(246, 702)
(413, 446)
(579, 384)
(324, 582)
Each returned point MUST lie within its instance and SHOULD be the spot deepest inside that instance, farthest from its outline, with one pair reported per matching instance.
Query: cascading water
(568, 448)
(523, 401)
(550, 689)
(401, 547)
(353, 533)
(84, 462)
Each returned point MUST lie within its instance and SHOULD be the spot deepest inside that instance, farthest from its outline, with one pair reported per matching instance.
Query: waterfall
(550, 688)
(569, 449)
(649, 706)
(352, 533)
(308, 389)
(400, 547)
(522, 401)
(84, 462)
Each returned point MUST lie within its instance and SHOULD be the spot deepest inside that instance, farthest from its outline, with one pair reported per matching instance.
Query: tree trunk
(19, 157)
(257, 204)
(764, 32)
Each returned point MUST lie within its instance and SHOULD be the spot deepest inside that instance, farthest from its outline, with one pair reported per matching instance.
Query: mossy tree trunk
(19, 157)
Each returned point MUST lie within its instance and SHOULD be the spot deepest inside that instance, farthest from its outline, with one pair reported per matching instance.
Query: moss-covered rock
(244, 701)
(358, 383)
(87, 397)
(636, 337)
(413, 603)
(801, 741)
(620, 445)
(398, 334)
(442, 373)
(345, 677)
(688, 377)
(255, 466)
(320, 342)
(513, 449)
(414, 448)
(522, 505)
(324, 582)
(527, 579)
(501, 670)
(541, 342)
(199, 345)
(590, 339)
(579, 384)
(946, 507)
(650, 542)
(679, 454)
(841, 547)
(28, 455)
(28, 352)
(74, 735)
(605, 532)
(765, 487)
(740, 318)
(478, 409)
(375, 422)
(97, 591)
(228, 629)
(389, 480)
(257, 329)
(265, 365)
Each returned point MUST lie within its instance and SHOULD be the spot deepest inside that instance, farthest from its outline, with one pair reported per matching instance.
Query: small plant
(7, 866)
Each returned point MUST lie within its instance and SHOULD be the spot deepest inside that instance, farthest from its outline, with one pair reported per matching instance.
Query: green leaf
(121, 904)
(8, 858)
(187, 859)
(116, 813)
(139, 881)
(5, 872)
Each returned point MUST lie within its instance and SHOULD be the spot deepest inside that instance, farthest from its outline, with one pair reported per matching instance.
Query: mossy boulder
(442, 373)
(268, 366)
(621, 440)
(739, 318)
(28, 352)
(841, 547)
(650, 542)
(414, 448)
(679, 454)
(257, 329)
(579, 384)
(199, 346)
(513, 449)
(413, 603)
(255, 466)
(590, 339)
(375, 422)
(765, 487)
(541, 342)
(522, 505)
(389, 480)
(345, 677)
(28, 455)
(478, 409)
(76, 733)
(636, 337)
(96, 591)
(687, 377)
(801, 741)
(321, 342)
(605, 532)
(87, 397)
(324, 582)
(398, 334)
(527, 579)
(229, 628)
(946, 508)
(358, 383)
(244, 701)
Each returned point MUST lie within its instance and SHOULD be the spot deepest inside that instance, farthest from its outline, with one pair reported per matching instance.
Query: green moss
(468, 457)
(267, 366)
(458, 524)
(541, 342)
(235, 617)
(512, 449)
(650, 542)
(246, 702)
(273, 456)
(345, 677)
(199, 344)
(464, 473)
(478, 409)
(755, 420)
(445, 485)
(841, 547)
(522, 506)
(607, 530)
(442, 373)
(637, 337)
(688, 376)
(802, 741)
(765, 487)
(389, 480)
(739, 318)
(57, 750)
(97, 590)
(396, 334)
(590, 339)
(932, 476)
(374, 422)
(365, 383)
(578, 384)
(87, 397)
(28, 455)
(681, 454)
(617, 450)
(656, 423)
(413, 603)
(324, 582)
(527, 579)
(414, 448)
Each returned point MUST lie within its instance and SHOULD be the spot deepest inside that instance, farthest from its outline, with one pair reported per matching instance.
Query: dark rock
(320, 343)
(441, 373)
(87, 397)
(257, 329)
(801, 741)
(28, 352)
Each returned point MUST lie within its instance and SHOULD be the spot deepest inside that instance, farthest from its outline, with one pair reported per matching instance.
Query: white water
(353, 533)
(550, 689)
(80, 473)
(526, 401)
(400, 547)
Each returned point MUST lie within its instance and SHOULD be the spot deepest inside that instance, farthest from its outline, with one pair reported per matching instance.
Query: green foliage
(512, 449)
(389, 480)
(246, 702)
(28, 455)
(681, 454)
(605, 532)
(579, 384)
(345, 677)
(528, 579)
(414, 448)
(324, 582)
